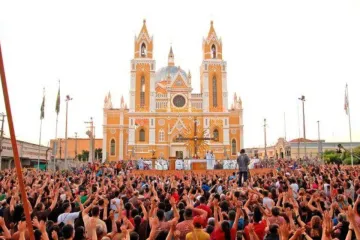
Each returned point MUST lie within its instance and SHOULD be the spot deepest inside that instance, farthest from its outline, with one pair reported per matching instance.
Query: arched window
(112, 147)
(216, 134)
(142, 91)
(142, 135)
(161, 135)
(213, 51)
(143, 50)
(233, 147)
(214, 91)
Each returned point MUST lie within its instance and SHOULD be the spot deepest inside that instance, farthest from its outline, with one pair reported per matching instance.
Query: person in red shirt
(175, 195)
(258, 225)
(204, 207)
(223, 229)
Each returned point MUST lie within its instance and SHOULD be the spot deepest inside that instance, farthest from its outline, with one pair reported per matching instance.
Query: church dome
(163, 73)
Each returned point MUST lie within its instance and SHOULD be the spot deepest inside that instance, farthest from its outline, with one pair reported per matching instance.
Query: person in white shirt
(67, 217)
(295, 187)
(114, 203)
(268, 202)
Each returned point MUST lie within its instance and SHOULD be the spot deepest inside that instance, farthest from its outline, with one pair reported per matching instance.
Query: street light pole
(76, 146)
(68, 98)
(302, 99)
(319, 142)
(2, 136)
(265, 138)
(90, 133)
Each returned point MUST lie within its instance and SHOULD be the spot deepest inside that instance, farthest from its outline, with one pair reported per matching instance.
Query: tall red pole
(14, 147)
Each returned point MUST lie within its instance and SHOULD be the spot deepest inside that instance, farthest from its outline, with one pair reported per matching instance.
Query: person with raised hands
(5, 231)
(223, 229)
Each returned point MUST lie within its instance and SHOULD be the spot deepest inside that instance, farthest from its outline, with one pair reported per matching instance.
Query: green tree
(84, 155)
(331, 156)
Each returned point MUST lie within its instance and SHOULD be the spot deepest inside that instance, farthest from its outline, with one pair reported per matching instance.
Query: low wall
(219, 172)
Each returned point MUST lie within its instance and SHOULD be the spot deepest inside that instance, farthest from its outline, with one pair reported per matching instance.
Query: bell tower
(213, 74)
(142, 82)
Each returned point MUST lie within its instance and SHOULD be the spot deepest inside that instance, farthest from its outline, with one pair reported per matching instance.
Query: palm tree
(98, 153)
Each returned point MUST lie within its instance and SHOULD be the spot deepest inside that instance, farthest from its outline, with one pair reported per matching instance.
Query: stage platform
(219, 172)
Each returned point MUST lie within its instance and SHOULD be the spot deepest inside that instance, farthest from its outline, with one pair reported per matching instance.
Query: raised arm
(144, 211)
(237, 216)
(54, 201)
(106, 205)
(176, 213)
(216, 213)
(6, 231)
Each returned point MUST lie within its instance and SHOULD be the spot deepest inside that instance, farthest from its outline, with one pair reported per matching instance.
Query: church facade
(164, 118)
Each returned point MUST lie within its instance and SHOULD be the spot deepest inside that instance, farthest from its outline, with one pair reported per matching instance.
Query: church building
(164, 118)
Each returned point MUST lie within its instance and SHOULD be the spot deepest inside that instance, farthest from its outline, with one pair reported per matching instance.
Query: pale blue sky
(276, 51)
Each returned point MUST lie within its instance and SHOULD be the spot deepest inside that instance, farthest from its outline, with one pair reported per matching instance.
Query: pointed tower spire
(143, 43)
(171, 59)
(122, 102)
(212, 30)
(212, 45)
(189, 77)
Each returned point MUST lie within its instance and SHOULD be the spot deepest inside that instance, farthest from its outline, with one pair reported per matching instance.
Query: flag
(57, 107)
(42, 108)
(346, 106)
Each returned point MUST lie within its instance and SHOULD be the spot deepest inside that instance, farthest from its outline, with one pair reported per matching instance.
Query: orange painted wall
(82, 144)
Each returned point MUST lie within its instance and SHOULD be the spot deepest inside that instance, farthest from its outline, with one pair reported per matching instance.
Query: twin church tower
(162, 108)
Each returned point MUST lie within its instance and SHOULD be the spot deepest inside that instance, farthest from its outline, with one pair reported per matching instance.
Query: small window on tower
(142, 135)
(213, 51)
(216, 135)
(143, 50)
(142, 92)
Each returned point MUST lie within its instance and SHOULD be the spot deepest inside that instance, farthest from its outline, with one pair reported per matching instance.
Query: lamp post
(76, 146)
(1, 136)
(68, 98)
(302, 99)
(265, 138)
(319, 142)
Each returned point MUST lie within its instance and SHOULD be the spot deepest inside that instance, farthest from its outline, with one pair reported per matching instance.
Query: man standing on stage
(243, 162)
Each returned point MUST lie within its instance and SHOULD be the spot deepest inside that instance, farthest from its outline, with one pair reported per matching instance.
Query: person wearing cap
(185, 226)
(199, 233)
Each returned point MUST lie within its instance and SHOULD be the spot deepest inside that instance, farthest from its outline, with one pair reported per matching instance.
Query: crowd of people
(111, 202)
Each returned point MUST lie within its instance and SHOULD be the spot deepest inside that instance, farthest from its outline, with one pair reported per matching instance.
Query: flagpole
(56, 141)
(41, 118)
(57, 108)
(348, 109)
(39, 145)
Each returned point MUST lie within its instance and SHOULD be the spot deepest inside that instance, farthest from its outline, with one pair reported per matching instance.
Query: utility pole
(60, 149)
(68, 98)
(76, 146)
(284, 127)
(90, 133)
(2, 136)
(265, 137)
(319, 142)
(302, 99)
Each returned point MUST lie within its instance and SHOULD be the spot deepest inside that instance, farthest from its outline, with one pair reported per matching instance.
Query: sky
(276, 51)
